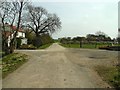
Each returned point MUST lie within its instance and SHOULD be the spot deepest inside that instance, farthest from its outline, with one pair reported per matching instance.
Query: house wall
(23, 41)
(9, 41)
(21, 34)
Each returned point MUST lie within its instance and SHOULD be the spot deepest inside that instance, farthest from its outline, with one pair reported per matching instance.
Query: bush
(104, 47)
(37, 41)
(30, 36)
(11, 62)
(42, 40)
(18, 42)
(115, 48)
(27, 46)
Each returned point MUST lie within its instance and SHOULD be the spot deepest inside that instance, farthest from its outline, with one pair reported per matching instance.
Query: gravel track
(58, 67)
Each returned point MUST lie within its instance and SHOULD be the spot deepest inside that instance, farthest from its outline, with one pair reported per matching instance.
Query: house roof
(7, 33)
(14, 28)
(10, 30)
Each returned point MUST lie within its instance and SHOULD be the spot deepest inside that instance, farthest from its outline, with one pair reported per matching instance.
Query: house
(10, 30)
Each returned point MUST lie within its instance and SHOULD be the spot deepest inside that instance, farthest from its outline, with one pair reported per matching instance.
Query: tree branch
(31, 27)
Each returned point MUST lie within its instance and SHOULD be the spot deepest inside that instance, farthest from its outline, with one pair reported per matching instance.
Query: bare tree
(4, 14)
(40, 21)
(11, 12)
(100, 33)
(19, 7)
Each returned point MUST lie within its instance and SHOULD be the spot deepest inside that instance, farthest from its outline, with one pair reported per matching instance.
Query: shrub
(18, 42)
(37, 41)
(104, 47)
(42, 40)
(11, 62)
(27, 46)
(115, 48)
(31, 46)
(30, 36)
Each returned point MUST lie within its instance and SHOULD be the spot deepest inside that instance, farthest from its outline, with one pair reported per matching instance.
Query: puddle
(98, 57)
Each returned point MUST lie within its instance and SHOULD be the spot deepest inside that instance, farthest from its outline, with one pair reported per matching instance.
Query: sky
(80, 18)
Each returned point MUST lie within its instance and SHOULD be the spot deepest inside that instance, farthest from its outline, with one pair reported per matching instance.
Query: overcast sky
(84, 17)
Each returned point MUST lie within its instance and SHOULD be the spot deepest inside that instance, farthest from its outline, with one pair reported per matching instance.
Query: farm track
(58, 67)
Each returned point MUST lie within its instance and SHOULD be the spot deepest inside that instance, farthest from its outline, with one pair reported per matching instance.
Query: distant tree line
(98, 37)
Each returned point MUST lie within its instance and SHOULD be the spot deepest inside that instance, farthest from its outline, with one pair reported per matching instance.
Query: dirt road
(58, 67)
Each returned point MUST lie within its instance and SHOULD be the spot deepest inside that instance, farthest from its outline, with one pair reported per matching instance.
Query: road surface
(58, 67)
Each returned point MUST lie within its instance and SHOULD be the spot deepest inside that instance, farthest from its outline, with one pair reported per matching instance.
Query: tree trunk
(96, 45)
(12, 43)
(12, 47)
(5, 47)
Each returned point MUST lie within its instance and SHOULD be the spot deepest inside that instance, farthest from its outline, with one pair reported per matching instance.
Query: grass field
(45, 46)
(11, 62)
(91, 46)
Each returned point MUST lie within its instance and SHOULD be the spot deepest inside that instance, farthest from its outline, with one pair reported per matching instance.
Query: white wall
(23, 41)
(20, 34)
(8, 41)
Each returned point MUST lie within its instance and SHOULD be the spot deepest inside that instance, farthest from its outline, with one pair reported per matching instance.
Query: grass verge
(11, 62)
(91, 46)
(110, 74)
(45, 46)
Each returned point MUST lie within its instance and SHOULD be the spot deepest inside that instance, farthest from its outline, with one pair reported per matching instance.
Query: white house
(10, 30)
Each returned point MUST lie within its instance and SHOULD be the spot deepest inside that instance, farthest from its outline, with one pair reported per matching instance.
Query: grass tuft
(110, 74)
(11, 62)
(91, 46)
(45, 46)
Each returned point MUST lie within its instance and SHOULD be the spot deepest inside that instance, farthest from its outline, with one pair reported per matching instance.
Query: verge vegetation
(11, 62)
(45, 46)
(110, 74)
(90, 46)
